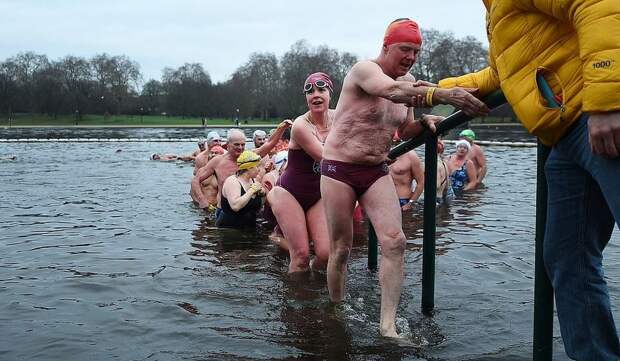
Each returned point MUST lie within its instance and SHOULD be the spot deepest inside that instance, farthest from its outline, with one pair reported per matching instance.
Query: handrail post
(543, 290)
(430, 207)
(373, 247)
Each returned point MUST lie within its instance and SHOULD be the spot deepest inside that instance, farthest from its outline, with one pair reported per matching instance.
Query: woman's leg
(292, 221)
(317, 228)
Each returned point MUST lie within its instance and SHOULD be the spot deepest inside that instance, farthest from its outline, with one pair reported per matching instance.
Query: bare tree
(49, 94)
(8, 86)
(442, 55)
(302, 60)
(77, 82)
(151, 97)
(117, 77)
(187, 89)
(259, 80)
(26, 65)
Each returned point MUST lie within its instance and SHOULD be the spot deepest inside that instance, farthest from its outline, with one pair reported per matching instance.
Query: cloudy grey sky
(220, 34)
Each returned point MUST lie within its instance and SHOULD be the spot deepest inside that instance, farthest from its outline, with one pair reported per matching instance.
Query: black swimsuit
(244, 218)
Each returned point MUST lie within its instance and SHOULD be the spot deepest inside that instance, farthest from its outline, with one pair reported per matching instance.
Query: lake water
(105, 257)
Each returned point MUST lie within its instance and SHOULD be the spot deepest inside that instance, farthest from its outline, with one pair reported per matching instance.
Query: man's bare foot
(389, 332)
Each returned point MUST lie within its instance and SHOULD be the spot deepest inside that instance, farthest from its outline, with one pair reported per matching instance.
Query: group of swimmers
(337, 159)
(314, 184)
(461, 171)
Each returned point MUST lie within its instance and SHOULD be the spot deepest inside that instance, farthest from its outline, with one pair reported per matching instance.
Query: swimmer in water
(296, 199)
(377, 99)
(241, 195)
(462, 169)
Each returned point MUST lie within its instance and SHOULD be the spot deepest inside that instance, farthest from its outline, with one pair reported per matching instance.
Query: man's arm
(264, 149)
(418, 176)
(201, 175)
(482, 160)
(485, 80)
(599, 53)
(600, 56)
(369, 76)
(185, 158)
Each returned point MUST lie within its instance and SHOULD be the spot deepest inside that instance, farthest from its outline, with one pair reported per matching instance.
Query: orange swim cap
(218, 150)
(402, 31)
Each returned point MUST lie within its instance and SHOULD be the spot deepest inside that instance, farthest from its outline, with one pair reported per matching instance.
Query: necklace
(316, 129)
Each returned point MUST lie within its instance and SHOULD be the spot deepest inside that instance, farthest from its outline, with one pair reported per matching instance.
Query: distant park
(110, 90)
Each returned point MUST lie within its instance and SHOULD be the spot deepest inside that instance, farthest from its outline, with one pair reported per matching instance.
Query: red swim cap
(314, 77)
(402, 31)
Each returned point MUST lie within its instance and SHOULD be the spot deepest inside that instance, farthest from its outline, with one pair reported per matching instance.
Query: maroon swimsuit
(301, 178)
(358, 176)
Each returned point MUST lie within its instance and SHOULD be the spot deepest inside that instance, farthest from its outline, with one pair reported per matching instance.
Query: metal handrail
(543, 291)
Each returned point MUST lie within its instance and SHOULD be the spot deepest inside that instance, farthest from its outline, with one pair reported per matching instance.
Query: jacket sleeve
(486, 80)
(597, 23)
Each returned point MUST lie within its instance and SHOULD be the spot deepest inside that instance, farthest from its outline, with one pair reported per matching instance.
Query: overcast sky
(220, 34)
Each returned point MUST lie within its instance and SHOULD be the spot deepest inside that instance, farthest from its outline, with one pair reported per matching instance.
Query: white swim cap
(280, 158)
(259, 133)
(213, 135)
(464, 143)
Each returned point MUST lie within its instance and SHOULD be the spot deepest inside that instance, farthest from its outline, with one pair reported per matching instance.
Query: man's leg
(380, 203)
(579, 226)
(338, 201)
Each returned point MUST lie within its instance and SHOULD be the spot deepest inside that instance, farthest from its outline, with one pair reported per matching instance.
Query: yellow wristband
(429, 96)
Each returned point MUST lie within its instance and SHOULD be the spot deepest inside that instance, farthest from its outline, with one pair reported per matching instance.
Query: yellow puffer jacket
(575, 44)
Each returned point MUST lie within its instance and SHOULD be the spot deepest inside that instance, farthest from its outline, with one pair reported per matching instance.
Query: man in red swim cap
(376, 100)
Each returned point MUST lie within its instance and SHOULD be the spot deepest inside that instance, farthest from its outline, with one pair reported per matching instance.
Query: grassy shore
(93, 120)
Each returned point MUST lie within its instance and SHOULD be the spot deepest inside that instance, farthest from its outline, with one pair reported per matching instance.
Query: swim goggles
(321, 84)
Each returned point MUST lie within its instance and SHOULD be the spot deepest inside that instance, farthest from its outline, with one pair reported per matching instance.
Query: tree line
(264, 87)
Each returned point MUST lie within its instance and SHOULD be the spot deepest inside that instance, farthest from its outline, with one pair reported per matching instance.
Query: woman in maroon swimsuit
(296, 199)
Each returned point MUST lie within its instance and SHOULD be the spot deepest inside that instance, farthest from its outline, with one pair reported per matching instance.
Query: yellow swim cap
(248, 159)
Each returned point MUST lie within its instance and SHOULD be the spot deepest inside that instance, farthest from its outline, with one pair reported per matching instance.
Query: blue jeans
(584, 200)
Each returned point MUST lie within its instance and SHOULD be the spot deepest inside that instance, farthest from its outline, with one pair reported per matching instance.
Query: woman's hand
(204, 205)
(286, 123)
(256, 188)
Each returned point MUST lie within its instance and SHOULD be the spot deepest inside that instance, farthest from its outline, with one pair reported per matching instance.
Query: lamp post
(141, 114)
(237, 117)
(77, 115)
(103, 106)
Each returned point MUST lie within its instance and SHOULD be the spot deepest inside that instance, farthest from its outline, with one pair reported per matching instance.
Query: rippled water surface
(104, 257)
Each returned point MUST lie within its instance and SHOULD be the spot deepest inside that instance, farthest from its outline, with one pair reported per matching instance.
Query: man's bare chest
(390, 113)
(400, 168)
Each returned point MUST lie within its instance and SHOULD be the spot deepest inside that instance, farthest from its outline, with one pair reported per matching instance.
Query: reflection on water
(105, 257)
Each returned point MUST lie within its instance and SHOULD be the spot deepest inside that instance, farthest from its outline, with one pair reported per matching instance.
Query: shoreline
(113, 126)
(190, 126)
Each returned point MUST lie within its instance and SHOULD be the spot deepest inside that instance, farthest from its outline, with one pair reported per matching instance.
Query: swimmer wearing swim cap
(476, 154)
(241, 194)
(376, 100)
